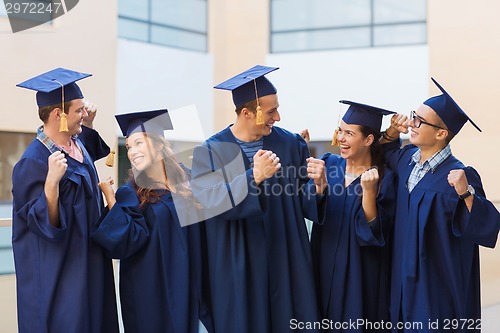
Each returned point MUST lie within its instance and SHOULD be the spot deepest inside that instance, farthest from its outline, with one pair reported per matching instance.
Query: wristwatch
(470, 191)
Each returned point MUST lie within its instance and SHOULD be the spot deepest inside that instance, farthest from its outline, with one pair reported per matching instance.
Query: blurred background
(149, 54)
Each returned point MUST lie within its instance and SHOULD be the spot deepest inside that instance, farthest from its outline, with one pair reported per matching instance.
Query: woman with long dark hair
(144, 227)
(349, 248)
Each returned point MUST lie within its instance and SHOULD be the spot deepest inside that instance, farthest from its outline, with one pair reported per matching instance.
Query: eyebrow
(420, 117)
(347, 130)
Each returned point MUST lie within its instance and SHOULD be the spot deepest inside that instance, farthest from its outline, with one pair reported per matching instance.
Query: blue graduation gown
(259, 267)
(435, 267)
(64, 280)
(157, 282)
(350, 256)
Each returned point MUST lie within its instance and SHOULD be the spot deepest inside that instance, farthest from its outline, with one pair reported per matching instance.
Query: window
(307, 25)
(12, 147)
(175, 23)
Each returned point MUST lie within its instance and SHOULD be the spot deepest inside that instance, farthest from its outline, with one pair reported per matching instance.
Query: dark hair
(375, 149)
(450, 135)
(252, 105)
(145, 187)
(44, 111)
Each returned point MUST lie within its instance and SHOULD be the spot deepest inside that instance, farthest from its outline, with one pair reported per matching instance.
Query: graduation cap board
(250, 85)
(448, 110)
(55, 86)
(365, 115)
(362, 114)
(155, 121)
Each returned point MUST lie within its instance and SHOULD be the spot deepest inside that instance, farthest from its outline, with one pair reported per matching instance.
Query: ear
(369, 140)
(442, 134)
(247, 114)
(56, 113)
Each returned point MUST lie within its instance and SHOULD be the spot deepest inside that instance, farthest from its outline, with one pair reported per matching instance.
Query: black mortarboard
(49, 86)
(155, 121)
(249, 85)
(365, 115)
(448, 110)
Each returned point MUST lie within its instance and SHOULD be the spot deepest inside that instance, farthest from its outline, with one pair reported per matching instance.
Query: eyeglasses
(417, 121)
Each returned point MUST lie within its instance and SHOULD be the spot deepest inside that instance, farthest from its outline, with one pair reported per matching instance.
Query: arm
(369, 184)
(313, 198)
(477, 219)
(92, 141)
(391, 143)
(36, 201)
(122, 230)
(221, 184)
(57, 167)
(108, 192)
(95, 145)
(375, 231)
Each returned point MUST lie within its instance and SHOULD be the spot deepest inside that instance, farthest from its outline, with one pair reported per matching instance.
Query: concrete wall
(464, 48)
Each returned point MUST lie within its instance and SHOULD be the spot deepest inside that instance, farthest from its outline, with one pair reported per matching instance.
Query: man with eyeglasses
(442, 217)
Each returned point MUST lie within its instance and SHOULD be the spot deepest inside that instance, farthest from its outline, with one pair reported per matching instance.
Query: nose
(340, 136)
(277, 117)
(85, 113)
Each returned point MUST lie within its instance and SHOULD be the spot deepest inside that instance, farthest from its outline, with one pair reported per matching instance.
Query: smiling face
(353, 145)
(270, 114)
(141, 151)
(427, 136)
(75, 115)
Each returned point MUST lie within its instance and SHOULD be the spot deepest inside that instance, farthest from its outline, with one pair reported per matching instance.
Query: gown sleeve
(313, 204)
(30, 202)
(122, 231)
(223, 187)
(393, 154)
(95, 145)
(482, 224)
(374, 233)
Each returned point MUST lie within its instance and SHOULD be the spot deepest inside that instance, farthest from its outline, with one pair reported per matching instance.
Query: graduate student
(349, 248)
(158, 282)
(64, 280)
(259, 256)
(442, 217)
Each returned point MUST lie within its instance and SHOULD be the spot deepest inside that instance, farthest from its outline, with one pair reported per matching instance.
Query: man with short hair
(442, 217)
(64, 280)
(251, 179)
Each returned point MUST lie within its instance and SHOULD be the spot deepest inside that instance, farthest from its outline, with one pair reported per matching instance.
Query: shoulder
(330, 158)
(219, 136)
(285, 134)
(36, 150)
(34, 157)
(127, 193)
(409, 149)
(284, 137)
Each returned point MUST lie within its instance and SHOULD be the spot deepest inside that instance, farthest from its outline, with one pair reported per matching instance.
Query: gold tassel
(259, 118)
(63, 125)
(110, 159)
(335, 141)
